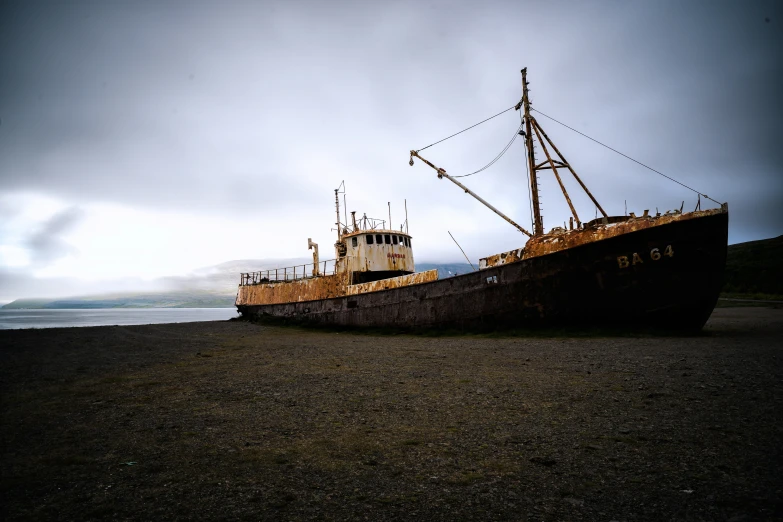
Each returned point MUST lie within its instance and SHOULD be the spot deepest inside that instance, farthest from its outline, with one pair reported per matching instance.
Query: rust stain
(394, 282)
(323, 287)
(560, 239)
(363, 251)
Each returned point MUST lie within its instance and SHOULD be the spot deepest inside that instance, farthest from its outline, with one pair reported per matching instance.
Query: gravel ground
(233, 420)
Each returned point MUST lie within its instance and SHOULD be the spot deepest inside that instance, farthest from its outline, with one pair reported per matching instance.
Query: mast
(551, 162)
(538, 225)
(337, 205)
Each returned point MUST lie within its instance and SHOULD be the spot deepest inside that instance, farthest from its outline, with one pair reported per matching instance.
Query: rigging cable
(625, 155)
(502, 152)
(463, 130)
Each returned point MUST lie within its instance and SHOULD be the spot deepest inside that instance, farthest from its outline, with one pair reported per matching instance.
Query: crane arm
(442, 174)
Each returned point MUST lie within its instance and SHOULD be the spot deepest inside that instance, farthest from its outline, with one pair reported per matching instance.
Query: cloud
(47, 244)
(17, 283)
(250, 114)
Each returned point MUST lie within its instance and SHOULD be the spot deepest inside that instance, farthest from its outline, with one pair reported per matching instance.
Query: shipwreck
(661, 270)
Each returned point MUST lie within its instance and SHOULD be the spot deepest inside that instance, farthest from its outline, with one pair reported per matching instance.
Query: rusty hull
(323, 287)
(624, 278)
(394, 282)
(560, 239)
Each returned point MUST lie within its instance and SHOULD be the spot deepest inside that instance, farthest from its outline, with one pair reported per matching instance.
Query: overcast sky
(144, 139)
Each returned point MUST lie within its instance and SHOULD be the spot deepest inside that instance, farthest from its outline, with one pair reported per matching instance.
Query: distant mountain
(223, 278)
(27, 303)
(209, 287)
(163, 300)
(445, 269)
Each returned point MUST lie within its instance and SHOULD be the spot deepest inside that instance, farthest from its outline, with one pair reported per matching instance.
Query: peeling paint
(394, 282)
(323, 287)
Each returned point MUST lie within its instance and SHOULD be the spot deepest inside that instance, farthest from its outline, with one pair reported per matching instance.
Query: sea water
(58, 318)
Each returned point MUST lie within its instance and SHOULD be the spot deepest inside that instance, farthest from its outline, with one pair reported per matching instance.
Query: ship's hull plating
(666, 276)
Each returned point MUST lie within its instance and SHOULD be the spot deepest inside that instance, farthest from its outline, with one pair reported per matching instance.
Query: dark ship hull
(664, 277)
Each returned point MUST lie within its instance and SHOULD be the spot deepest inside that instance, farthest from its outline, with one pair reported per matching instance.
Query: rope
(502, 152)
(516, 133)
(626, 156)
(463, 130)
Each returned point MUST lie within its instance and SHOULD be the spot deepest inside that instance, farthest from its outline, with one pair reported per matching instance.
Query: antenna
(406, 216)
(337, 206)
(345, 206)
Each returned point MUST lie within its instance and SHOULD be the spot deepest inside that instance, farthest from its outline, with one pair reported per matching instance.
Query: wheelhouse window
(379, 239)
(387, 239)
(406, 240)
(394, 240)
(410, 242)
(369, 239)
(354, 241)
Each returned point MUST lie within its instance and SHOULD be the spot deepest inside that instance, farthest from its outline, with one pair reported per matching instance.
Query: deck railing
(289, 273)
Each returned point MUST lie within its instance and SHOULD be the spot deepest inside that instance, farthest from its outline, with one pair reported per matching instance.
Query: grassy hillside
(755, 268)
